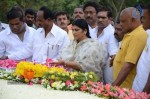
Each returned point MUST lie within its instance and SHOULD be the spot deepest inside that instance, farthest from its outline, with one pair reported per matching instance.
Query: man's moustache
(62, 23)
(88, 18)
(77, 17)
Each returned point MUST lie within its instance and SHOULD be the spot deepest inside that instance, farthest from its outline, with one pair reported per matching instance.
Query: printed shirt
(88, 54)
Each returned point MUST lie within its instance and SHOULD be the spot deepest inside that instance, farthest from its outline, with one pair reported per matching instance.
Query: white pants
(107, 74)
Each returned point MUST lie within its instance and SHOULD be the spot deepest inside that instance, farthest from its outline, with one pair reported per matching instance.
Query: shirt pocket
(54, 49)
(119, 56)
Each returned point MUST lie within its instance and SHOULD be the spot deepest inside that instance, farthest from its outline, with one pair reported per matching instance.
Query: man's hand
(112, 57)
(126, 69)
(4, 57)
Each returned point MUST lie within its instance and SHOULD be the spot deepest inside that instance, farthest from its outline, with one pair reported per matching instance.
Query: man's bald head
(129, 19)
(131, 12)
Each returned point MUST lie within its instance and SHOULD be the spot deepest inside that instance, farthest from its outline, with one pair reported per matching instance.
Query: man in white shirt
(49, 39)
(142, 78)
(3, 26)
(105, 34)
(15, 41)
(30, 16)
(118, 36)
(148, 31)
(62, 20)
(90, 10)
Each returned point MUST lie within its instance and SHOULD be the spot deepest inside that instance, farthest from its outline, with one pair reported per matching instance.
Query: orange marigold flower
(28, 74)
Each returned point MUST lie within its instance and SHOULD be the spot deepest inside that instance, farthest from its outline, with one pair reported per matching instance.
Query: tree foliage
(66, 5)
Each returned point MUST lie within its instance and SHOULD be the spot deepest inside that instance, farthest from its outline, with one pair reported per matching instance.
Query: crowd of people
(117, 53)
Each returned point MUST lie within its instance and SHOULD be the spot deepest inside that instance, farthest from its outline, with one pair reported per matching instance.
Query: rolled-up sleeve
(113, 45)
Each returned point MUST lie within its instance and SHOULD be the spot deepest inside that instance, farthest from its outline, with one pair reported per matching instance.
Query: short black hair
(81, 23)
(93, 4)
(108, 10)
(47, 12)
(61, 13)
(80, 6)
(15, 12)
(147, 7)
(30, 11)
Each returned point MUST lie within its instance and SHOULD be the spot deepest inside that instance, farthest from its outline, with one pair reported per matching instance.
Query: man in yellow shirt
(133, 43)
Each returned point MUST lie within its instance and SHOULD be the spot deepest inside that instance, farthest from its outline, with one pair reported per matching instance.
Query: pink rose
(84, 88)
(50, 82)
(21, 77)
(68, 83)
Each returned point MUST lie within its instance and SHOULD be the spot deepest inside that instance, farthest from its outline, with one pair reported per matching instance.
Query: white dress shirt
(148, 31)
(93, 31)
(13, 47)
(49, 46)
(143, 68)
(108, 40)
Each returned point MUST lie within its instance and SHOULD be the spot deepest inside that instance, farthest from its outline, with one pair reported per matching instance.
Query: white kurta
(49, 46)
(143, 68)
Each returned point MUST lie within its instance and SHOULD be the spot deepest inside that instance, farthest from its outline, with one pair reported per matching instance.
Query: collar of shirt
(77, 45)
(92, 28)
(93, 31)
(133, 32)
(109, 27)
(106, 30)
(53, 30)
(10, 32)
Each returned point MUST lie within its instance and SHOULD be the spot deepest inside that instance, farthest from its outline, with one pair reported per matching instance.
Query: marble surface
(13, 90)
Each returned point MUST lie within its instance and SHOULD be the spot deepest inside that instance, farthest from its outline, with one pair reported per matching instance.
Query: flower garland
(30, 70)
(112, 92)
(8, 63)
(66, 80)
(60, 79)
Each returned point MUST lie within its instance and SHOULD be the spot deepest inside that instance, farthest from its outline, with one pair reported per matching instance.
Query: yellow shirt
(71, 37)
(131, 48)
(70, 32)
